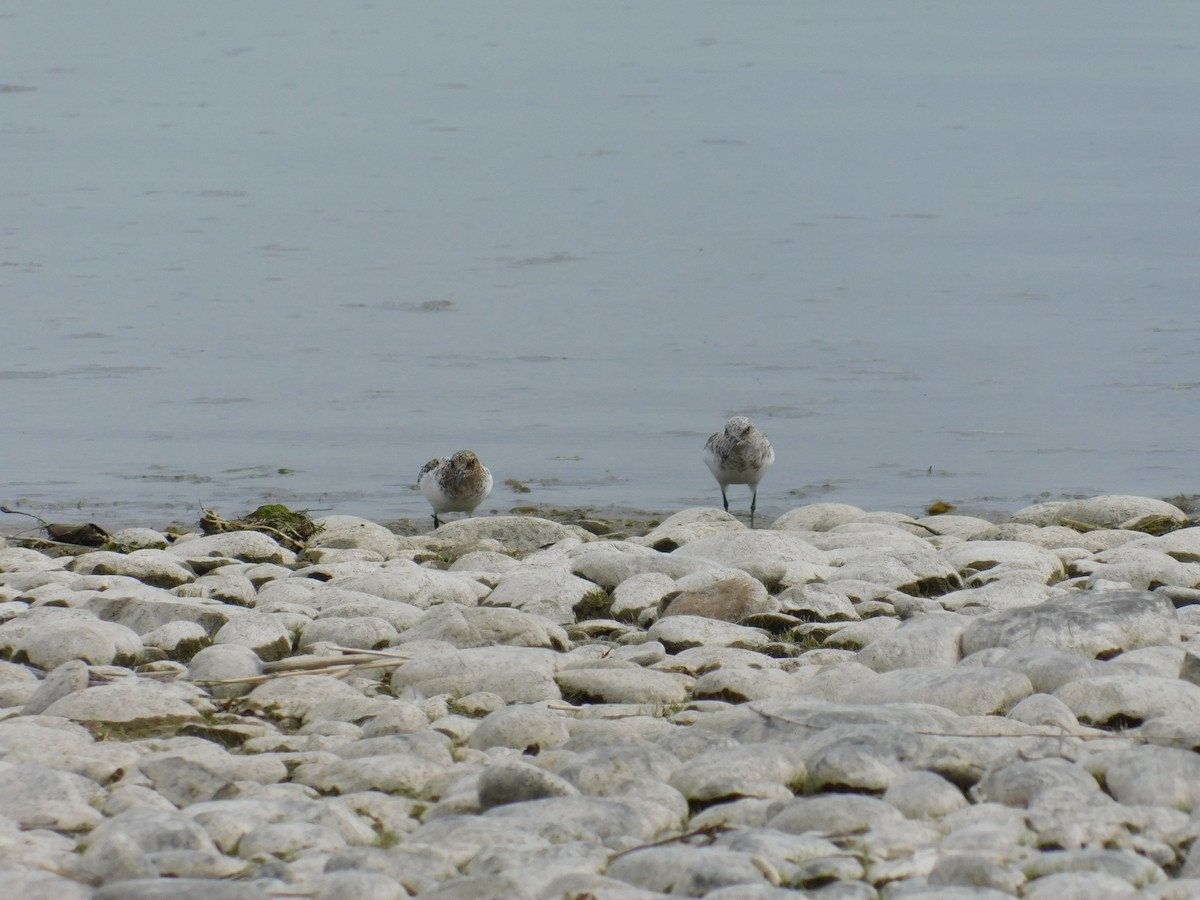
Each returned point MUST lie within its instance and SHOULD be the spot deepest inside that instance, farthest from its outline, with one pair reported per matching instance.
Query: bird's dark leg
(753, 503)
(724, 499)
(436, 523)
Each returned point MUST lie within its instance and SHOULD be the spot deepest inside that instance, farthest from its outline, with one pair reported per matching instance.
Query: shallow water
(291, 251)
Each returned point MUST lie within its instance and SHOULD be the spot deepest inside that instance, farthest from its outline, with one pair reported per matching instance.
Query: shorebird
(457, 484)
(740, 454)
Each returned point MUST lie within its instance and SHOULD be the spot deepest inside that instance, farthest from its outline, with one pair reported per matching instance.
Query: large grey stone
(552, 594)
(267, 634)
(1121, 699)
(967, 690)
(932, 639)
(64, 679)
(510, 780)
(351, 532)
(197, 770)
(686, 871)
(249, 546)
(989, 560)
(681, 632)
(608, 563)
(225, 662)
(145, 608)
(521, 534)
(726, 594)
(631, 684)
(35, 796)
(1140, 567)
(521, 727)
(1150, 776)
(687, 525)
(1093, 624)
(310, 698)
(772, 557)
(466, 626)
(47, 637)
(158, 568)
(359, 632)
(819, 517)
(770, 769)
(518, 674)
(411, 584)
(1120, 511)
(139, 707)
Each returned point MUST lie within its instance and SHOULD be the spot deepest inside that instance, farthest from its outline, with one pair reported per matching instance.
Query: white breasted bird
(740, 454)
(457, 484)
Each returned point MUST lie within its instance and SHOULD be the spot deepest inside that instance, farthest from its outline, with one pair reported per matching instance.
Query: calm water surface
(290, 251)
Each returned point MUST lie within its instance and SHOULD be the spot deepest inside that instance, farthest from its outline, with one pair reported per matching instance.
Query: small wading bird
(741, 454)
(457, 484)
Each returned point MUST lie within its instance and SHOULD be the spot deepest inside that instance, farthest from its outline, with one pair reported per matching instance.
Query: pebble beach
(839, 703)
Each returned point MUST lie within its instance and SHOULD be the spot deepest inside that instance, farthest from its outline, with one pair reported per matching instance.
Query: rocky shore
(845, 704)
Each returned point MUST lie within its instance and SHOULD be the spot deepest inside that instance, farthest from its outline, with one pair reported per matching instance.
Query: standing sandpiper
(457, 484)
(741, 454)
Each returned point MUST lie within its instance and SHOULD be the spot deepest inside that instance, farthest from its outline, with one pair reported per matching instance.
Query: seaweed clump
(291, 528)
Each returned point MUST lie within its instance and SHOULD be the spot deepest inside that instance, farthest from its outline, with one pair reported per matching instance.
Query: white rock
(158, 568)
(1150, 776)
(267, 634)
(624, 685)
(351, 532)
(774, 558)
(608, 563)
(989, 560)
(834, 814)
(518, 674)
(1091, 624)
(769, 769)
(1100, 700)
(923, 795)
(1021, 782)
(856, 635)
(845, 542)
(311, 698)
(510, 780)
(818, 517)
(35, 885)
(520, 726)
(251, 546)
(965, 527)
(926, 640)
(288, 840)
(361, 632)
(464, 627)
(178, 640)
(35, 796)
(227, 587)
(689, 525)
(551, 594)
(639, 593)
(966, 690)
(1119, 511)
(223, 663)
(64, 679)
(1015, 590)
(411, 584)
(144, 609)
(137, 707)
(49, 636)
(1140, 567)
(520, 534)
(680, 632)
(688, 871)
